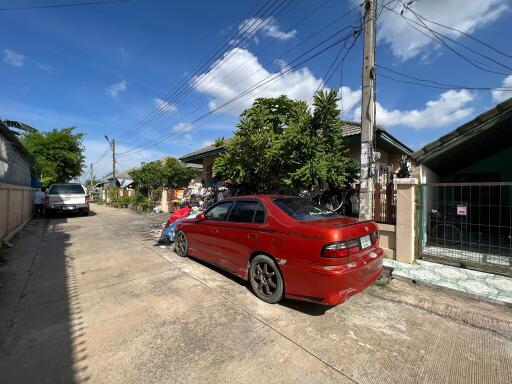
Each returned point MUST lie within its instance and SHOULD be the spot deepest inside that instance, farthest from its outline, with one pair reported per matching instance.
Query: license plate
(69, 208)
(365, 242)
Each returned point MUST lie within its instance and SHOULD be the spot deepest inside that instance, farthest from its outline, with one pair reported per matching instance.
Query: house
(15, 183)
(390, 149)
(465, 194)
(205, 158)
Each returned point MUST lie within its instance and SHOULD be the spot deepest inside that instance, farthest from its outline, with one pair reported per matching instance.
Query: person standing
(39, 197)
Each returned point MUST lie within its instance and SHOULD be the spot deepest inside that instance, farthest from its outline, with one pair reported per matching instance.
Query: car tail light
(341, 249)
(374, 236)
(87, 198)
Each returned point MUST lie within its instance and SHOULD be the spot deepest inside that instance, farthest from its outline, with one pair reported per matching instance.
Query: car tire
(85, 213)
(266, 279)
(181, 244)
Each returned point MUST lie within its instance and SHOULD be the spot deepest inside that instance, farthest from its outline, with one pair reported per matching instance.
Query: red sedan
(286, 247)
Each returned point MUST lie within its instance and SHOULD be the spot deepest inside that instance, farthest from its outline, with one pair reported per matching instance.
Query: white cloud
(349, 99)
(500, 95)
(116, 88)
(451, 106)
(14, 58)
(207, 142)
(45, 67)
(165, 105)
(406, 42)
(225, 82)
(187, 137)
(182, 127)
(268, 27)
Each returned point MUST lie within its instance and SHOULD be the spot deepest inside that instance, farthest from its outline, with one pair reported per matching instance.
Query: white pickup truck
(67, 197)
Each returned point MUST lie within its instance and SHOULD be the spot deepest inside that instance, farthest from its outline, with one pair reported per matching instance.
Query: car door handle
(252, 236)
(215, 230)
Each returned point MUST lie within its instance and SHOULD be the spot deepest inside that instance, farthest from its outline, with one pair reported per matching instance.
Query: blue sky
(103, 68)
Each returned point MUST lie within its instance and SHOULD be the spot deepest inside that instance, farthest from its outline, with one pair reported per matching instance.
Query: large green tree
(58, 155)
(281, 145)
(169, 172)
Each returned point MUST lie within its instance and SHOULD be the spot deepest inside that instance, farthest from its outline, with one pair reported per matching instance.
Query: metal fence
(384, 209)
(467, 224)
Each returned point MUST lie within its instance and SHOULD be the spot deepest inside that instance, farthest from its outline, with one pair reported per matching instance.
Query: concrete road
(88, 299)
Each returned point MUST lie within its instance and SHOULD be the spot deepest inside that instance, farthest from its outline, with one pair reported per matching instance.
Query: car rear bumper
(69, 207)
(317, 284)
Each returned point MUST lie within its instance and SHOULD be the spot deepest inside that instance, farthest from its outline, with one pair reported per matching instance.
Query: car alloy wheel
(266, 280)
(181, 244)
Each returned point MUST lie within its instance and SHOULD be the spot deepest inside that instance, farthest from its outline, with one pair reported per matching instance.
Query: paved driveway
(88, 299)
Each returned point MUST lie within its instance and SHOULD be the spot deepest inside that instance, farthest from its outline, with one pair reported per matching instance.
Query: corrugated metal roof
(479, 124)
(210, 150)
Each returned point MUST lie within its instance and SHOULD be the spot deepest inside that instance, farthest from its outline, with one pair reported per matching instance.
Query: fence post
(405, 223)
(390, 203)
(377, 208)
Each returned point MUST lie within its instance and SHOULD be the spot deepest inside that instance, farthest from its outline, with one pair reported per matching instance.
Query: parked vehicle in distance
(67, 197)
(286, 247)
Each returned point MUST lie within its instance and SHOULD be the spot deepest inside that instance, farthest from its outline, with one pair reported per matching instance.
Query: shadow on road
(311, 309)
(43, 340)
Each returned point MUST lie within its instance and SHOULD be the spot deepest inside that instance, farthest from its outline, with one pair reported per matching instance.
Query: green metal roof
(465, 132)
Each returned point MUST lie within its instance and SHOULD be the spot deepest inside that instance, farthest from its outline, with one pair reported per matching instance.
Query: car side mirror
(200, 217)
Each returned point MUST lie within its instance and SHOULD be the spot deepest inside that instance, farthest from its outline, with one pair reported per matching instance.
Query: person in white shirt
(39, 197)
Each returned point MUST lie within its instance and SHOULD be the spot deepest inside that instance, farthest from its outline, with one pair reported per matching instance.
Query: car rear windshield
(304, 210)
(66, 189)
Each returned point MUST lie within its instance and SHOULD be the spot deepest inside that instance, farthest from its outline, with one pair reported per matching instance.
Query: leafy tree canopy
(166, 173)
(58, 155)
(281, 145)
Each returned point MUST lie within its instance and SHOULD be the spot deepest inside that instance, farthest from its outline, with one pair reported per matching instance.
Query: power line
(261, 83)
(419, 17)
(171, 97)
(435, 84)
(210, 76)
(66, 5)
(464, 33)
(302, 42)
(436, 36)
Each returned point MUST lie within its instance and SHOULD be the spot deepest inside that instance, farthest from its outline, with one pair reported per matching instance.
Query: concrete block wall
(15, 208)
(398, 241)
(387, 240)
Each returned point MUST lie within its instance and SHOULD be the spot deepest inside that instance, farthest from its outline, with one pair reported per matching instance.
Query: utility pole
(368, 112)
(91, 172)
(113, 147)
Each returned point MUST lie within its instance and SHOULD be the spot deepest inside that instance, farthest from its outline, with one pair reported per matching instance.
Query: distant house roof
(351, 129)
(13, 139)
(352, 132)
(210, 150)
(486, 134)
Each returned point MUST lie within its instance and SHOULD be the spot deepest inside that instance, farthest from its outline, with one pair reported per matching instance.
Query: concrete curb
(388, 271)
(13, 233)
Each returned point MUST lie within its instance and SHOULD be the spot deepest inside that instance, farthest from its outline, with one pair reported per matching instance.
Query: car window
(66, 189)
(304, 210)
(218, 212)
(259, 215)
(243, 211)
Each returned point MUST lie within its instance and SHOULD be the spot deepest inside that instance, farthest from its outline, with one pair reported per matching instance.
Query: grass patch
(383, 282)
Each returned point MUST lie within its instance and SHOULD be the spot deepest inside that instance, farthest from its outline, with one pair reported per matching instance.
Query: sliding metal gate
(466, 224)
